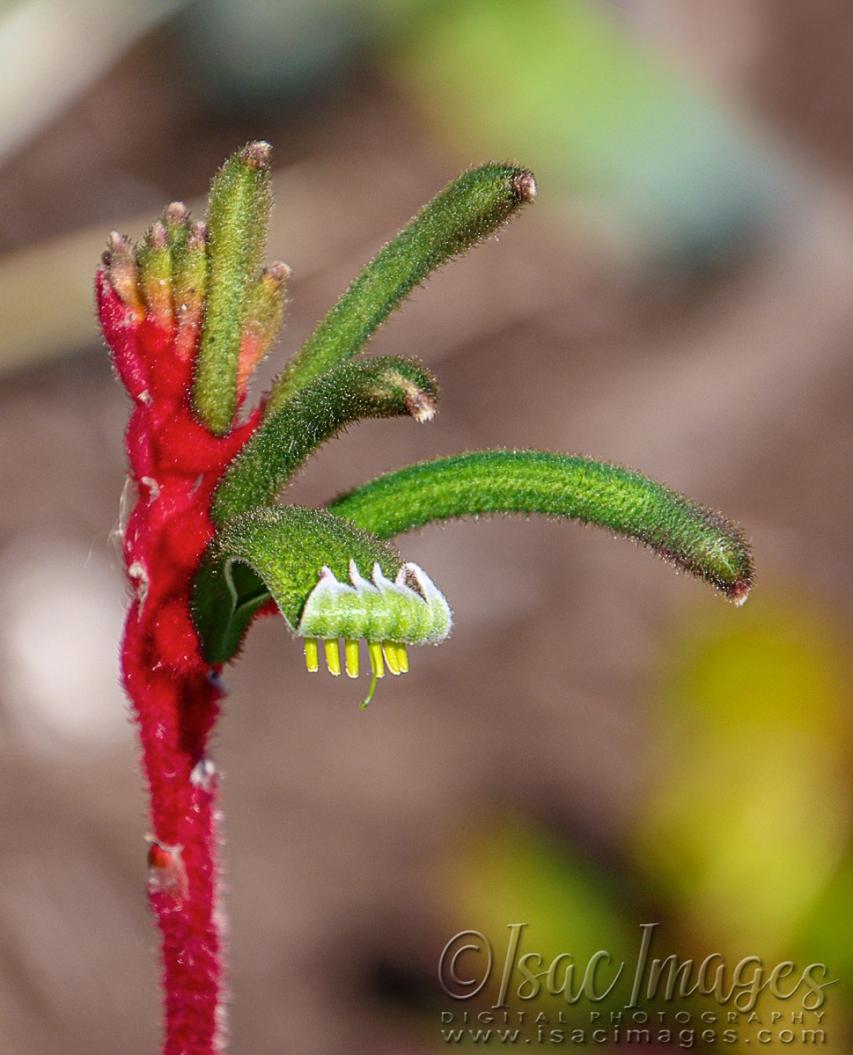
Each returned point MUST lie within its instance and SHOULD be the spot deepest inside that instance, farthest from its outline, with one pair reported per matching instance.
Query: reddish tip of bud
(122, 271)
(278, 271)
(739, 593)
(176, 213)
(256, 154)
(198, 235)
(421, 406)
(158, 236)
(524, 185)
(118, 243)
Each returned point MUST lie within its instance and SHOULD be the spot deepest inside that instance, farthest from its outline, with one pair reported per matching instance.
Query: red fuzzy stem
(176, 463)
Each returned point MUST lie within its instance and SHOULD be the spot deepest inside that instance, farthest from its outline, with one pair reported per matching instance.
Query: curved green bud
(467, 211)
(237, 218)
(367, 388)
(687, 535)
(308, 562)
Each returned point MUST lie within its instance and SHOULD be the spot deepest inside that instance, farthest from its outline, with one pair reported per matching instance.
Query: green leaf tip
(468, 210)
(314, 566)
(381, 387)
(680, 531)
(237, 218)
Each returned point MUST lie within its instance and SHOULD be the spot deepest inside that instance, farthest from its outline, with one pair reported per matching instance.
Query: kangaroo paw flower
(188, 313)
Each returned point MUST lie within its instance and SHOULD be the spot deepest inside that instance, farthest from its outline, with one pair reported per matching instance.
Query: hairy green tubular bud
(368, 388)
(237, 219)
(475, 205)
(684, 533)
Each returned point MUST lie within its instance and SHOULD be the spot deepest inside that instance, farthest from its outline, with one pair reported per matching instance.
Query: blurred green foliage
(563, 84)
(746, 827)
(740, 846)
(512, 870)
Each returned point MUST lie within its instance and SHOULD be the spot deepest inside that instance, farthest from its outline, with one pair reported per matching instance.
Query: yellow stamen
(333, 658)
(402, 659)
(351, 658)
(312, 657)
(390, 651)
(377, 664)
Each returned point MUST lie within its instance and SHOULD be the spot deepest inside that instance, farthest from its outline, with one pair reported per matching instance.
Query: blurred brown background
(601, 743)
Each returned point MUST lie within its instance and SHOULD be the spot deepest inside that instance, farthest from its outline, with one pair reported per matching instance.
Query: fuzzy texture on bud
(368, 388)
(679, 530)
(237, 218)
(475, 205)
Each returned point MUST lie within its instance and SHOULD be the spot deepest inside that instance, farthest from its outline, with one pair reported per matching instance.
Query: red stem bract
(176, 464)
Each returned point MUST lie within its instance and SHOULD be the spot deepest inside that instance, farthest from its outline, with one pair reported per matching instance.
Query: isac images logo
(512, 994)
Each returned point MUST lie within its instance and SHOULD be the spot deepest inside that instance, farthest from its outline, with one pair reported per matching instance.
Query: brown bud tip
(256, 154)
(278, 272)
(176, 213)
(158, 236)
(420, 404)
(524, 185)
(198, 235)
(118, 244)
(739, 593)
